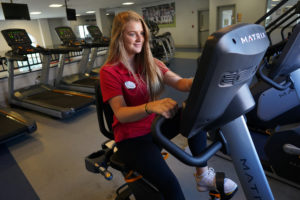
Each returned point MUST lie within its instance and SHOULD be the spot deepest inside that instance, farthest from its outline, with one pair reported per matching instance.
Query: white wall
(45, 33)
(106, 23)
(251, 10)
(82, 20)
(185, 33)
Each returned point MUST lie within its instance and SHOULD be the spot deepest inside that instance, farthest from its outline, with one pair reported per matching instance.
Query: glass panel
(280, 11)
(226, 18)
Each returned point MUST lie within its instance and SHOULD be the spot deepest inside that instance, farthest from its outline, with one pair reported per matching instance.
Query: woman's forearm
(166, 107)
(184, 84)
(128, 114)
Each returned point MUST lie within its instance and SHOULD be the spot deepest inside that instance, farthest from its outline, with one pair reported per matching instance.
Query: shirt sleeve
(161, 66)
(110, 84)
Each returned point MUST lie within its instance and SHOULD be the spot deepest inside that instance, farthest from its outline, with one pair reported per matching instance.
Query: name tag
(130, 85)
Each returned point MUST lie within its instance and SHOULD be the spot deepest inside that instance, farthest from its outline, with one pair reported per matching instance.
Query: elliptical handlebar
(271, 82)
(178, 152)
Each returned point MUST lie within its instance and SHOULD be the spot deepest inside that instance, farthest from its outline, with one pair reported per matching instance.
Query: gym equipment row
(41, 97)
(224, 71)
(162, 46)
(83, 81)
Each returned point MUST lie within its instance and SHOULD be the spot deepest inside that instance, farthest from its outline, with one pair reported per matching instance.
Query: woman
(131, 81)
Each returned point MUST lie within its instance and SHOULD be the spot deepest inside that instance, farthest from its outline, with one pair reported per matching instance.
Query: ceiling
(81, 6)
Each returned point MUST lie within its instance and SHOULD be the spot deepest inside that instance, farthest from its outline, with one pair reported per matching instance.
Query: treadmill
(41, 97)
(12, 125)
(82, 81)
(97, 37)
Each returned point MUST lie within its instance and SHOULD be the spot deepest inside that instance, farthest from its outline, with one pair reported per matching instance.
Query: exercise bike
(224, 71)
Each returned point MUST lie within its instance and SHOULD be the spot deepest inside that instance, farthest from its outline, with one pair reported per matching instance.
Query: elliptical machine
(162, 46)
(225, 69)
(275, 121)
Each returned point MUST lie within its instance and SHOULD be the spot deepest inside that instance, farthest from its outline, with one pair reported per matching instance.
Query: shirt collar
(120, 68)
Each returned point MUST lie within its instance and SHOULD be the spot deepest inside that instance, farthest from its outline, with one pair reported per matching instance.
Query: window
(83, 32)
(34, 60)
(272, 3)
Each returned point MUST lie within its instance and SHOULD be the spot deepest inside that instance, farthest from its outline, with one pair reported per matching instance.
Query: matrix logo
(250, 180)
(253, 37)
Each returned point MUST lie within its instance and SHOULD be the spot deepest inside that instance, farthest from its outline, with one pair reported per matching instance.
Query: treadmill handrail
(62, 50)
(10, 55)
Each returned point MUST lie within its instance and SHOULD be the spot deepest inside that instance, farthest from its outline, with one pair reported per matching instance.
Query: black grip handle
(272, 83)
(180, 153)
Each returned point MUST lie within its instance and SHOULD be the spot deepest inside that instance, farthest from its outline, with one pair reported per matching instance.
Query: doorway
(226, 16)
(203, 27)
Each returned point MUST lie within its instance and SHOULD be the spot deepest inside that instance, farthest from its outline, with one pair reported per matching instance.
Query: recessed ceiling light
(55, 5)
(91, 11)
(78, 15)
(107, 13)
(127, 3)
(35, 13)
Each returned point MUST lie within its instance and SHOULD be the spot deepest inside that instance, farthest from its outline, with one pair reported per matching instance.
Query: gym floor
(49, 164)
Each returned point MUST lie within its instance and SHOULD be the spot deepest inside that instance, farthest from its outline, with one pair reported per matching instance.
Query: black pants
(143, 155)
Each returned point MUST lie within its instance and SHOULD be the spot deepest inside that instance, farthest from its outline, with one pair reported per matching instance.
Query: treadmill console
(95, 32)
(16, 37)
(18, 40)
(67, 36)
(20, 43)
(97, 35)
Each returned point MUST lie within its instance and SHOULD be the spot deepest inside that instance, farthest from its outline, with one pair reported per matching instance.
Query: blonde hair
(117, 53)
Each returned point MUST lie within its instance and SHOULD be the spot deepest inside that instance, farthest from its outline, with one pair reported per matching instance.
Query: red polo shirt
(116, 80)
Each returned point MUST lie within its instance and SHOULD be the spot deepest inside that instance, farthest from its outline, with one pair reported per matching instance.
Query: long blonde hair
(117, 53)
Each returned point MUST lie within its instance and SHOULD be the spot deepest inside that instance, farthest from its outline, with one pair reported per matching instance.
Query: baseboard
(187, 46)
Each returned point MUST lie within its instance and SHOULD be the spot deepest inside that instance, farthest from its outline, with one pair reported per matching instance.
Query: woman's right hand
(166, 107)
